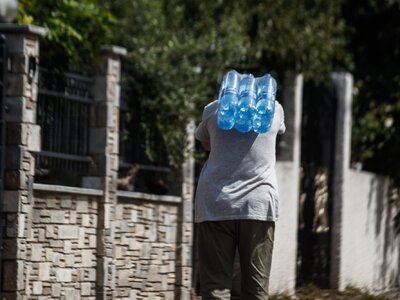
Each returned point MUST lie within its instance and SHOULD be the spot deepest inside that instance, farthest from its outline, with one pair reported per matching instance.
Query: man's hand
(206, 145)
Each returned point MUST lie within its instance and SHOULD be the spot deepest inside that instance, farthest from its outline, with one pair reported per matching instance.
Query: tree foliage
(373, 31)
(76, 29)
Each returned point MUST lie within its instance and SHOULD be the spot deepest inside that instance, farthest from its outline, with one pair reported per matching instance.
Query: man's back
(238, 180)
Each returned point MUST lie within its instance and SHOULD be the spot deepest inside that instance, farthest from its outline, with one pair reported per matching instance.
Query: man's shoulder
(210, 109)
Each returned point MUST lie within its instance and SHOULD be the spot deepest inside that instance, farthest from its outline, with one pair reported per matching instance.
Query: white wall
(369, 250)
(283, 272)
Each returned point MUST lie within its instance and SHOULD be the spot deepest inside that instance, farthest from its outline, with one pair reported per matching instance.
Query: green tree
(76, 29)
(373, 32)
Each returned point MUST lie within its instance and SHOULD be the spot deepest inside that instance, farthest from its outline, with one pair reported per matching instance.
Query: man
(236, 206)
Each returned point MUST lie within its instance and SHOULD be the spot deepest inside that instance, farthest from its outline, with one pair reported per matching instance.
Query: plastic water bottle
(247, 97)
(228, 99)
(265, 104)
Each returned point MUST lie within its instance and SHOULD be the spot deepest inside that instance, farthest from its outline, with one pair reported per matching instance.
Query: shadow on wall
(385, 212)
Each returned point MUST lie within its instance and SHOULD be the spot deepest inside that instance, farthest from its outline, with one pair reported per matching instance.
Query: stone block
(15, 282)
(82, 206)
(10, 250)
(23, 226)
(49, 231)
(66, 202)
(57, 216)
(92, 241)
(170, 235)
(11, 202)
(15, 180)
(187, 211)
(67, 246)
(44, 271)
(18, 85)
(81, 238)
(37, 252)
(87, 258)
(123, 277)
(68, 232)
(19, 63)
(63, 275)
(56, 290)
(37, 288)
(17, 112)
(186, 255)
(105, 115)
(134, 215)
(69, 260)
(106, 89)
(72, 217)
(33, 142)
(92, 275)
(86, 289)
(70, 293)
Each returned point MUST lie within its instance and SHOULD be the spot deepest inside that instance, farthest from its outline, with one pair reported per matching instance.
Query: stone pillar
(22, 140)
(104, 138)
(343, 84)
(293, 99)
(185, 222)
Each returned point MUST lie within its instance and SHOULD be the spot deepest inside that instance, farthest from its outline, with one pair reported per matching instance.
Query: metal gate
(2, 138)
(317, 155)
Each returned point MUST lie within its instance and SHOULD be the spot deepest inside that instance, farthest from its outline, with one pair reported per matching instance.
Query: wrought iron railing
(132, 143)
(63, 112)
(153, 176)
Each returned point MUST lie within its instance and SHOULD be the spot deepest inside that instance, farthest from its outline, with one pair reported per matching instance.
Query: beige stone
(86, 289)
(44, 271)
(56, 290)
(63, 275)
(37, 288)
(68, 232)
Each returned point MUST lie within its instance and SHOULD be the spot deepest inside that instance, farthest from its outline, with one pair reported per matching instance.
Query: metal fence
(63, 112)
(132, 144)
(154, 176)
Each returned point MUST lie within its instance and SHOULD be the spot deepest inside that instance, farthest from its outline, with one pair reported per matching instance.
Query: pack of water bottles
(246, 102)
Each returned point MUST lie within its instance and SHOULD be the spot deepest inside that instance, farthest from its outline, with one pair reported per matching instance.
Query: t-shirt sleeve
(201, 133)
(282, 126)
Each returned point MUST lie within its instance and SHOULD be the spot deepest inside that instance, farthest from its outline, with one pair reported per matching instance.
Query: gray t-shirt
(238, 180)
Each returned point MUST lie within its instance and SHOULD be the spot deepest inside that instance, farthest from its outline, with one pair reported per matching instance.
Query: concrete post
(293, 99)
(185, 222)
(22, 140)
(104, 138)
(343, 84)
(283, 269)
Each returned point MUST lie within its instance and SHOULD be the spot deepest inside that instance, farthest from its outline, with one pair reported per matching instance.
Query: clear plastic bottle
(228, 99)
(247, 97)
(265, 104)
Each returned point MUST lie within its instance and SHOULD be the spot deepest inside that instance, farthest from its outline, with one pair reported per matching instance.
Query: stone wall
(61, 254)
(370, 249)
(145, 246)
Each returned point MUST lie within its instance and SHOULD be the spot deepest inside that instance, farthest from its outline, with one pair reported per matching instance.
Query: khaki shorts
(217, 245)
